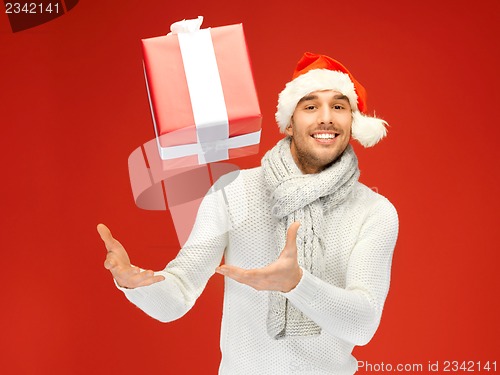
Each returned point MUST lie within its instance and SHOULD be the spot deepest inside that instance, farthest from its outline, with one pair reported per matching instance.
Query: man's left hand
(282, 275)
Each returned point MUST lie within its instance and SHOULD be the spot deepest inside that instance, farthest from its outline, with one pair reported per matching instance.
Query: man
(307, 247)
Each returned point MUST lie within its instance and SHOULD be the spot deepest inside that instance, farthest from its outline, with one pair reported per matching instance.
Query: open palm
(118, 263)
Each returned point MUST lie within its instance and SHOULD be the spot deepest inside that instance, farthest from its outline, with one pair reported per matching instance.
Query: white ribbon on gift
(207, 98)
(205, 88)
(186, 26)
(210, 148)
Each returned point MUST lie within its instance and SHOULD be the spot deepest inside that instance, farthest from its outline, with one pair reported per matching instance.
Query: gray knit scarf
(302, 197)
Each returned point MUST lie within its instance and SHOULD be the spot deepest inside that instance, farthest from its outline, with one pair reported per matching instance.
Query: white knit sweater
(359, 237)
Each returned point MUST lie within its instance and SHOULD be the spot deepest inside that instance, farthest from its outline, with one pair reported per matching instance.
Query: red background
(74, 106)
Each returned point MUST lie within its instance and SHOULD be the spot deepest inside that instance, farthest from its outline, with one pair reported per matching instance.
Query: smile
(324, 136)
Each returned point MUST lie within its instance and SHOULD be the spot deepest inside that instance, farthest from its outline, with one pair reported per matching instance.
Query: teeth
(324, 136)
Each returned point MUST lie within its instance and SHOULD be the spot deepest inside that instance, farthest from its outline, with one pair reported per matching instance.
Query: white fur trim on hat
(366, 130)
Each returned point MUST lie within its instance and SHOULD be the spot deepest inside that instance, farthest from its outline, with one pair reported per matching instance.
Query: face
(320, 129)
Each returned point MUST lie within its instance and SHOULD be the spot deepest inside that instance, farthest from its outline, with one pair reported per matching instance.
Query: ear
(289, 128)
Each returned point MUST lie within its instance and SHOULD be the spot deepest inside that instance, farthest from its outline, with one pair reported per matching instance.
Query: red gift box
(202, 94)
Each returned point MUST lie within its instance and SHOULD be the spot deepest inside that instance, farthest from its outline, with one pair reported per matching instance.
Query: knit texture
(359, 238)
(302, 197)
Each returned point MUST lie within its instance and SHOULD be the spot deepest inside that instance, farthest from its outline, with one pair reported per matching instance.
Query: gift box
(202, 95)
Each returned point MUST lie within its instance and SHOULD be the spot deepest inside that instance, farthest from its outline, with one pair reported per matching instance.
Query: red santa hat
(320, 72)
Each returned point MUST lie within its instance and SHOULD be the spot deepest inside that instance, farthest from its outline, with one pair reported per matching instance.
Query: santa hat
(320, 72)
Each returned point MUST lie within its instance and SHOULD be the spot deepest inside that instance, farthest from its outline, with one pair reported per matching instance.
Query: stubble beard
(308, 161)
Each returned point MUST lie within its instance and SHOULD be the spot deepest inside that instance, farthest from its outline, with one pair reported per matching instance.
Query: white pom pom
(368, 130)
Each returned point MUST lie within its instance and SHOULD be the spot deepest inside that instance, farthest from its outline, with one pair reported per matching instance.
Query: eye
(338, 106)
(310, 107)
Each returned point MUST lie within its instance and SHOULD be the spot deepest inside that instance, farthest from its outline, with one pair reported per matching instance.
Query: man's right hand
(118, 263)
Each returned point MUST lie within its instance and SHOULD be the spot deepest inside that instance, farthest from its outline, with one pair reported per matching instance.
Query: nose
(325, 115)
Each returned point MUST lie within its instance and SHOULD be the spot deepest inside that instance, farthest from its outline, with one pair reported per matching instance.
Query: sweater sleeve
(353, 313)
(187, 275)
